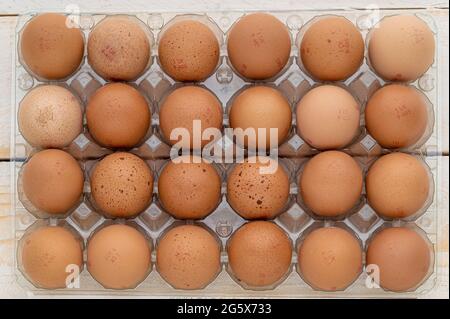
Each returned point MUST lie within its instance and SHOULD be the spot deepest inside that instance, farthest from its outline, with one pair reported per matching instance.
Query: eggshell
(119, 48)
(397, 185)
(52, 181)
(331, 183)
(259, 46)
(402, 256)
(401, 48)
(396, 116)
(330, 259)
(47, 252)
(259, 254)
(189, 189)
(253, 194)
(118, 257)
(184, 105)
(332, 49)
(188, 257)
(50, 116)
(188, 51)
(260, 107)
(328, 117)
(122, 185)
(118, 116)
(49, 48)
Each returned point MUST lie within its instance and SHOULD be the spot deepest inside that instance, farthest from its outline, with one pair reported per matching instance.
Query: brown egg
(330, 259)
(332, 49)
(188, 51)
(49, 48)
(188, 257)
(119, 48)
(331, 183)
(401, 48)
(259, 254)
(259, 46)
(50, 116)
(396, 116)
(328, 117)
(189, 189)
(122, 185)
(402, 256)
(184, 105)
(397, 185)
(261, 107)
(118, 257)
(52, 181)
(49, 256)
(253, 194)
(118, 116)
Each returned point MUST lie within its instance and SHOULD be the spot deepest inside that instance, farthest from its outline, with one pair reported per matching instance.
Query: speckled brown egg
(118, 256)
(254, 194)
(397, 185)
(52, 181)
(50, 255)
(50, 116)
(118, 116)
(260, 108)
(403, 258)
(259, 46)
(188, 51)
(188, 257)
(330, 258)
(401, 48)
(49, 48)
(328, 117)
(119, 48)
(332, 49)
(184, 105)
(122, 185)
(396, 116)
(189, 188)
(259, 254)
(331, 183)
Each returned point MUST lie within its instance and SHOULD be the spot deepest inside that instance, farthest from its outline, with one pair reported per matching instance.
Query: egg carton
(225, 83)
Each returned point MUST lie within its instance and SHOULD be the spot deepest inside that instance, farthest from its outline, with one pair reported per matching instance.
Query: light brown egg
(49, 256)
(259, 46)
(331, 183)
(118, 257)
(330, 259)
(118, 116)
(402, 256)
(50, 116)
(259, 254)
(397, 185)
(122, 185)
(188, 51)
(119, 48)
(328, 117)
(52, 181)
(396, 116)
(401, 48)
(260, 107)
(184, 105)
(332, 49)
(189, 189)
(253, 194)
(188, 257)
(49, 48)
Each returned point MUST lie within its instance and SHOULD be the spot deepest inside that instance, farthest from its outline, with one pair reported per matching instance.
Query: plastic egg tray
(296, 220)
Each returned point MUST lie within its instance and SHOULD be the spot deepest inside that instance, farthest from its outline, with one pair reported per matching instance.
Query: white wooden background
(10, 9)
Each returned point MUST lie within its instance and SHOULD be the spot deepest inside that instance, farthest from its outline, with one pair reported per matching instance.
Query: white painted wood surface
(8, 17)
